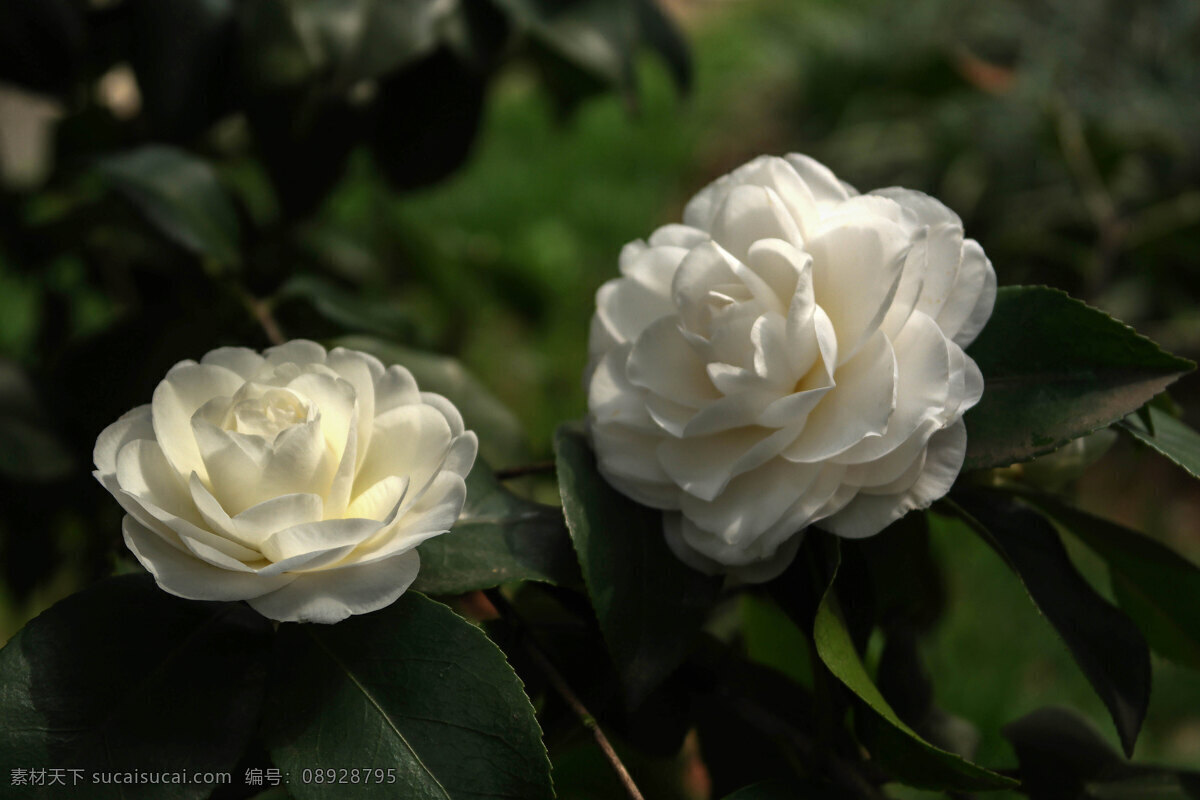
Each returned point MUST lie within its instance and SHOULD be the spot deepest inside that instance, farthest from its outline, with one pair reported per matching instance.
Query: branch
(564, 689)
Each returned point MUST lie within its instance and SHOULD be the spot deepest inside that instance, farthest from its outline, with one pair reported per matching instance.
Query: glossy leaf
(414, 688)
(123, 677)
(501, 439)
(1055, 369)
(180, 195)
(499, 538)
(649, 603)
(1155, 585)
(1106, 644)
(1062, 755)
(913, 759)
(1168, 435)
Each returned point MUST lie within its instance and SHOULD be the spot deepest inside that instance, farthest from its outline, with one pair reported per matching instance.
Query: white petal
(135, 424)
(242, 360)
(380, 500)
(823, 184)
(928, 210)
(260, 521)
(434, 514)
(857, 407)
(410, 441)
(976, 279)
(360, 370)
(612, 398)
(143, 472)
(748, 214)
(297, 351)
(628, 454)
(654, 268)
(922, 388)
(678, 236)
(184, 575)
(625, 308)
(331, 595)
(187, 387)
(663, 362)
(856, 270)
(449, 411)
(312, 537)
(704, 465)
(868, 514)
(752, 502)
(396, 388)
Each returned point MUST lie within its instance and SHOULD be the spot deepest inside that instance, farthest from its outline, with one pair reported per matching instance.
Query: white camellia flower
(791, 355)
(298, 480)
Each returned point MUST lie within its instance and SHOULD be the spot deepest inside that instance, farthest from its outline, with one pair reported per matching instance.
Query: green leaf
(501, 439)
(180, 195)
(29, 448)
(773, 640)
(347, 309)
(1055, 369)
(499, 538)
(124, 677)
(1155, 585)
(913, 759)
(649, 603)
(775, 790)
(413, 688)
(1062, 755)
(1169, 436)
(1106, 644)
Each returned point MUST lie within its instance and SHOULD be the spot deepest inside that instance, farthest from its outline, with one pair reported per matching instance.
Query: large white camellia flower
(791, 355)
(298, 480)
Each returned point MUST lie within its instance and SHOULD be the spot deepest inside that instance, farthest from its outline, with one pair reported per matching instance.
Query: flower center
(270, 413)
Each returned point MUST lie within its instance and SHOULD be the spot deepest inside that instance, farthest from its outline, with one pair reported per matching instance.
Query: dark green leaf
(29, 449)
(660, 33)
(904, 578)
(180, 195)
(501, 439)
(427, 117)
(414, 688)
(181, 52)
(1055, 369)
(1105, 643)
(1169, 436)
(1062, 756)
(649, 603)
(499, 538)
(1156, 586)
(772, 639)
(124, 677)
(913, 759)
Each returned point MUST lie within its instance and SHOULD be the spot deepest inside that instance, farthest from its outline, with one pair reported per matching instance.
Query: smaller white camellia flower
(299, 480)
(791, 355)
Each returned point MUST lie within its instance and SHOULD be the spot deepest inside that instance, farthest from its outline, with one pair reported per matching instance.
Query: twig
(564, 689)
(261, 310)
(521, 470)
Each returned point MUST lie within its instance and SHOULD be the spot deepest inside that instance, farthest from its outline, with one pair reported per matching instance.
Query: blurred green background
(1066, 134)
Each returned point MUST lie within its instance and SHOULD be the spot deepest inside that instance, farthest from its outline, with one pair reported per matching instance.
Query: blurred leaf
(913, 759)
(41, 43)
(85, 686)
(29, 448)
(649, 603)
(1063, 757)
(427, 116)
(1168, 435)
(288, 43)
(1055, 369)
(180, 195)
(602, 36)
(349, 310)
(499, 538)
(181, 54)
(412, 687)
(501, 440)
(477, 31)
(1155, 585)
(1105, 643)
